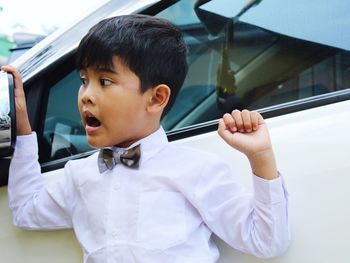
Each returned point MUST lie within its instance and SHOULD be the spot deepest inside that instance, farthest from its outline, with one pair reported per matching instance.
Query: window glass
(240, 57)
(234, 62)
(318, 21)
(64, 135)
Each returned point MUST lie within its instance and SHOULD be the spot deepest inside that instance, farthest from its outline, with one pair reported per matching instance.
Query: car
(289, 60)
(23, 42)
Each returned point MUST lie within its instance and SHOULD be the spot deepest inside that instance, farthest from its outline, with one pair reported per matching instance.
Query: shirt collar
(149, 145)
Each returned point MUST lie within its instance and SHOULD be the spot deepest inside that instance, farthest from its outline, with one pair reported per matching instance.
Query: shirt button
(114, 233)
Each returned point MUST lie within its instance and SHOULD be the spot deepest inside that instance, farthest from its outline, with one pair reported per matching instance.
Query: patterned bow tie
(107, 158)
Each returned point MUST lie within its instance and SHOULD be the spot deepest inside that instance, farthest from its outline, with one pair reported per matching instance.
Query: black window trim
(158, 7)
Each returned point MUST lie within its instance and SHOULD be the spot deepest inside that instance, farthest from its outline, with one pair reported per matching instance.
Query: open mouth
(91, 120)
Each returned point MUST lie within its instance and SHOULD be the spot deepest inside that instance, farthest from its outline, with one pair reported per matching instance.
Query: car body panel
(312, 153)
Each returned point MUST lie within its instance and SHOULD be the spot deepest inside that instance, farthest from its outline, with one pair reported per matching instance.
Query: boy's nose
(87, 96)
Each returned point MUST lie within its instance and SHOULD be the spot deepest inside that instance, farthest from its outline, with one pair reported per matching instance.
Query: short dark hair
(153, 48)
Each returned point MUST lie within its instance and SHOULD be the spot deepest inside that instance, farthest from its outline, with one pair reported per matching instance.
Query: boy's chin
(94, 143)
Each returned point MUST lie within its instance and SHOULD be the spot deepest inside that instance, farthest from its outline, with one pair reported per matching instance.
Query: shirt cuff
(26, 146)
(269, 191)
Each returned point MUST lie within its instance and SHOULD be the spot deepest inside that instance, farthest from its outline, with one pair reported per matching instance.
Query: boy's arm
(260, 224)
(256, 224)
(32, 205)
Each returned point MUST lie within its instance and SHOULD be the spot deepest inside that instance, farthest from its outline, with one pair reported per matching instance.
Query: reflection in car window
(235, 64)
(232, 64)
(64, 135)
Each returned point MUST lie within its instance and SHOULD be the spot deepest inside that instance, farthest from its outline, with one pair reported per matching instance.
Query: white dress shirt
(163, 211)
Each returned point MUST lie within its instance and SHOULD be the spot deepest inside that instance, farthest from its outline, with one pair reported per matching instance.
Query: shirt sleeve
(35, 205)
(255, 223)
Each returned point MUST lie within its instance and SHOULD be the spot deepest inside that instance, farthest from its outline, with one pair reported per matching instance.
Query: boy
(141, 199)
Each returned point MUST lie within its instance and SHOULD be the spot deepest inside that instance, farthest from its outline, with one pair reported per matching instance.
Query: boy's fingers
(254, 116)
(224, 133)
(11, 69)
(247, 123)
(17, 77)
(221, 126)
(241, 121)
(236, 114)
(229, 122)
(260, 119)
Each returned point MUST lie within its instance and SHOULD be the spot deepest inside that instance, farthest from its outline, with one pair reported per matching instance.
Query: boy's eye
(105, 82)
(83, 80)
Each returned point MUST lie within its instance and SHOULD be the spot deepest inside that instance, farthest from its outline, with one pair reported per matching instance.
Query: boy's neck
(128, 143)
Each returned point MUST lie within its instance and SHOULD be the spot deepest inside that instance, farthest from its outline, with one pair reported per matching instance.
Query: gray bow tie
(107, 158)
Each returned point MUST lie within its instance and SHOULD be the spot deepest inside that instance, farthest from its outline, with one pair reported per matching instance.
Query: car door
(240, 56)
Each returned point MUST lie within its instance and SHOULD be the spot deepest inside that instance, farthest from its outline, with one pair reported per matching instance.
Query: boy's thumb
(224, 132)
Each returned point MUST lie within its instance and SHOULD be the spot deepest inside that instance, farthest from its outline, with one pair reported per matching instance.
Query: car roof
(65, 40)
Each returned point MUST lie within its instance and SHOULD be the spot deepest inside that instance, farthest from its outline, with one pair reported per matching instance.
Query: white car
(290, 60)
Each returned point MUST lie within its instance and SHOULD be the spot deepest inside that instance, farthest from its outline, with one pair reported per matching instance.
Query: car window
(64, 134)
(234, 62)
(240, 63)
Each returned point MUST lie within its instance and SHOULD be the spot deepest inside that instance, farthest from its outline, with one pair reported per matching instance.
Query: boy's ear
(159, 98)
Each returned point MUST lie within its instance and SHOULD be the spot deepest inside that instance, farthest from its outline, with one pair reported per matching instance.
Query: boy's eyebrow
(109, 70)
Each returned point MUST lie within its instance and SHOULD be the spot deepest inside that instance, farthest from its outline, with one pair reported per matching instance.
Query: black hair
(152, 48)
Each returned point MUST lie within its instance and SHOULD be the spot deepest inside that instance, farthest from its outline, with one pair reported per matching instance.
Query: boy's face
(111, 105)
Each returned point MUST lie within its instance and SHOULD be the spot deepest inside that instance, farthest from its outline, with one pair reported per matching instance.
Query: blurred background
(25, 23)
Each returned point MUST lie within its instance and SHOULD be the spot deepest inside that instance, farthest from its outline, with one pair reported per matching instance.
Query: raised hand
(22, 121)
(246, 131)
